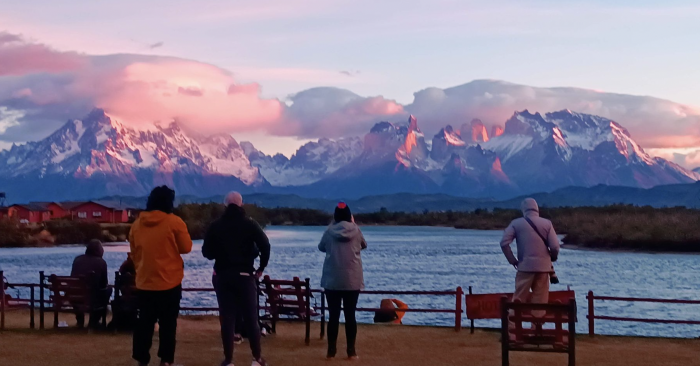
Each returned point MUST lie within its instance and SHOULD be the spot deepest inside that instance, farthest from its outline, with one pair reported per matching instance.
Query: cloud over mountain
(41, 88)
(47, 87)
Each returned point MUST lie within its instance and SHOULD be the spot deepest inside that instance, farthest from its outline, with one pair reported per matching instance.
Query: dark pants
(238, 298)
(162, 307)
(100, 299)
(349, 304)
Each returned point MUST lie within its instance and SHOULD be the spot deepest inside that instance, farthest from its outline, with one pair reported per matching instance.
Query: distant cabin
(29, 213)
(100, 212)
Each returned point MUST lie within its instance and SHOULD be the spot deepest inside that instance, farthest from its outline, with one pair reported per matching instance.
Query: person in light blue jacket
(342, 277)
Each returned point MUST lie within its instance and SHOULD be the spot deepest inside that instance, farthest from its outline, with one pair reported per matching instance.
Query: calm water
(426, 258)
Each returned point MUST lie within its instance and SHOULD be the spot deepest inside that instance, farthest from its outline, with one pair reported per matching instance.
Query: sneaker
(260, 362)
(224, 363)
(353, 358)
(237, 339)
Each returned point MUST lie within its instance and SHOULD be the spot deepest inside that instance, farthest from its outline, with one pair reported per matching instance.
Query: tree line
(610, 227)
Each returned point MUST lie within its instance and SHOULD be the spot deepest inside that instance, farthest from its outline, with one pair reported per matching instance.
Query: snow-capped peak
(100, 144)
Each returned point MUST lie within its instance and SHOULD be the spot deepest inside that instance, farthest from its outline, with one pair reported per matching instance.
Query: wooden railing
(592, 315)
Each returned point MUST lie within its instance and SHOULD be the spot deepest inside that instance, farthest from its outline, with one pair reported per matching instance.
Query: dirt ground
(198, 345)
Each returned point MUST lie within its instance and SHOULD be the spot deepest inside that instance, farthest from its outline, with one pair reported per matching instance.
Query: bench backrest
(541, 316)
(287, 297)
(69, 292)
(488, 306)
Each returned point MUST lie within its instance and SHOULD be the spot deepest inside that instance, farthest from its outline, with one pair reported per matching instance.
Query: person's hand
(554, 258)
(515, 265)
(258, 274)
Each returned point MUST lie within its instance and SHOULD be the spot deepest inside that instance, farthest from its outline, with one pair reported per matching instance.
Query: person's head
(162, 199)
(529, 205)
(342, 213)
(233, 198)
(94, 248)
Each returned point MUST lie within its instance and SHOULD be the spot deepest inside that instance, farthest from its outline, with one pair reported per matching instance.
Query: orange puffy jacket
(157, 240)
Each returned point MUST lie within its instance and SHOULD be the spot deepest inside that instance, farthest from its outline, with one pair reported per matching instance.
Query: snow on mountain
(445, 143)
(311, 163)
(99, 148)
(568, 148)
(532, 153)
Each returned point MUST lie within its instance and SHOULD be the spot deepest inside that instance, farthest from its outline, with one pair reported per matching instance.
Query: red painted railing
(457, 310)
(592, 317)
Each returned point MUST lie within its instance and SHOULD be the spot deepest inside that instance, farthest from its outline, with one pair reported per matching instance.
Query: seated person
(390, 311)
(125, 310)
(127, 271)
(92, 267)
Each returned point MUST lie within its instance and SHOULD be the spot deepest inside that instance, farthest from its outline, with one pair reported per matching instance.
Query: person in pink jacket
(538, 247)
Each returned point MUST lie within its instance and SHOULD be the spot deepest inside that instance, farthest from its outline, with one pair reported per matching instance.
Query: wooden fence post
(505, 337)
(458, 309)
(470, 320)
(3, 303)
(32, 305)
(41, 299)
(323, 313)
(307, 340)
(572, 332)
(591, 314)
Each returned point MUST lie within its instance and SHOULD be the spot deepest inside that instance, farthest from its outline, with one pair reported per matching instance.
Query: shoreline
(584, 248)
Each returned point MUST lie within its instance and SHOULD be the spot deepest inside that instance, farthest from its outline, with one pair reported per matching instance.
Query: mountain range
(99, 156)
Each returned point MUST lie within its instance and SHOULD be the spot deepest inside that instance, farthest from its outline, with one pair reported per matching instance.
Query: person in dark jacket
(234, 241)
(93, 268)
(342, 278)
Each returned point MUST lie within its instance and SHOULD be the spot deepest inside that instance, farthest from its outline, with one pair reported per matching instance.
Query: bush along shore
(620, 227)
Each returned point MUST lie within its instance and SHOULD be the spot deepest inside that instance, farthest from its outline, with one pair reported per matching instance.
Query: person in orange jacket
(157, 239)
(390, 311)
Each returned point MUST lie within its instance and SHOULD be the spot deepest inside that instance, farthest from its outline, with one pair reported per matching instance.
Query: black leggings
(349, 302)
(161, 307)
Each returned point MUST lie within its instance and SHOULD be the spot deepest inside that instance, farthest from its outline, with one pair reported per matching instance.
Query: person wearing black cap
(342, 277)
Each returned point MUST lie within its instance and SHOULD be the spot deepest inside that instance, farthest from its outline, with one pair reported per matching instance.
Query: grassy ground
(198, 345)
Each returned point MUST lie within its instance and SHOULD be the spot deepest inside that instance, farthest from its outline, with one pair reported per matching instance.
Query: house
(29, 213)
(100, 211)
(56, 210)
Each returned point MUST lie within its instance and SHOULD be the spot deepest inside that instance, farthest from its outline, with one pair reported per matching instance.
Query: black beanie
(342, 213)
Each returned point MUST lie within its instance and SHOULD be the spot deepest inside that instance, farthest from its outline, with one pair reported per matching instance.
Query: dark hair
(161, 198)
(342, 213)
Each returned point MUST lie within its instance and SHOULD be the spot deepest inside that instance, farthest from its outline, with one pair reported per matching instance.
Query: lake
(431, 258)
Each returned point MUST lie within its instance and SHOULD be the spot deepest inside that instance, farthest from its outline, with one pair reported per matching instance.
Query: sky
(282, 72)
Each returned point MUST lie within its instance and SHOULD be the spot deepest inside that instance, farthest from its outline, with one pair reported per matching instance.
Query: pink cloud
(20, 58)
(136, 89)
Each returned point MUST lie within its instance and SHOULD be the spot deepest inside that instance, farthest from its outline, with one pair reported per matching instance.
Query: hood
(529, 206)
(152, 218)
(94, 248)
(235, 211)
(343, 231)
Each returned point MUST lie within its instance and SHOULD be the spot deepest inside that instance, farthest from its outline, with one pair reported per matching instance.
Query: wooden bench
(538, 337)
(488, 306)
(72, 295)
(291, 299)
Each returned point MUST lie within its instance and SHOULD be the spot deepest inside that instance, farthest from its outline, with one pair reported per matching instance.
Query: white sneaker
(260, 362)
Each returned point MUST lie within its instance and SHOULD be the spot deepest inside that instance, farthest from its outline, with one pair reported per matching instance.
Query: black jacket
(91, 264)
(234, 241)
